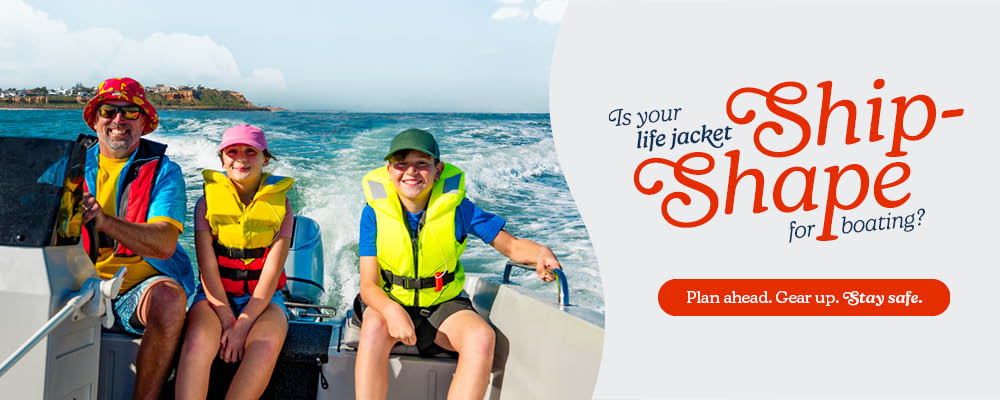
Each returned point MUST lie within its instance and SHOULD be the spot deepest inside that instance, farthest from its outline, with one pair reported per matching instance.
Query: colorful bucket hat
(124, 89)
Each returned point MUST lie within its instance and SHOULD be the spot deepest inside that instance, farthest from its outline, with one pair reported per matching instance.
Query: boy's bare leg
(261, 353)
(473, 339)
(201, 344)
(161, 310)
(371, 371)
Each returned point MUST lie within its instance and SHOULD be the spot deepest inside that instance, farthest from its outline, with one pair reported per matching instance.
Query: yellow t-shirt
(108, 263)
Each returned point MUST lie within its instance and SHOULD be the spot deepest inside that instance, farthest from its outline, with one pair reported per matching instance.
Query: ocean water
(510, 161)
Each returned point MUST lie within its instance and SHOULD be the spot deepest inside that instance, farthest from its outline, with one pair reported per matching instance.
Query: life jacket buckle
(240, 275)
(438, 281)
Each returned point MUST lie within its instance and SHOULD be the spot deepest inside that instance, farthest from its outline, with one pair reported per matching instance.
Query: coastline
(20, 106)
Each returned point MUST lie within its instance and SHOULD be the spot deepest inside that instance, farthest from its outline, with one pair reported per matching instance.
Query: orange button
(817, 297)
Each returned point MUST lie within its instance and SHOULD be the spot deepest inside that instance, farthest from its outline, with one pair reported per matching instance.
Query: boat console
(51, 342)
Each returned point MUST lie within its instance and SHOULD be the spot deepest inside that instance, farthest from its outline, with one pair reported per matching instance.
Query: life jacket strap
(231, 252)
(234, 274)
(438, 281)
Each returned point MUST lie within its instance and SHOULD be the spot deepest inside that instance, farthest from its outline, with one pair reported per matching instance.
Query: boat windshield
(41, 188)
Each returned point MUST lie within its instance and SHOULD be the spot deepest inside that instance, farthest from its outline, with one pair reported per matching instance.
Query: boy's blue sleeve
(369, 231)
(469, 218)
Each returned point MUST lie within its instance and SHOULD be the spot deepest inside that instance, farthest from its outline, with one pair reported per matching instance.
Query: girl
(243, 229)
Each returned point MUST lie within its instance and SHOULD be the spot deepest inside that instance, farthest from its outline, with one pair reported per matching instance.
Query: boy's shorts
(238, 303)
(426, 321)
(124, 306)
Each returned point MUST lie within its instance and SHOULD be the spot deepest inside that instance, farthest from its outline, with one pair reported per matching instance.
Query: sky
(399, 56)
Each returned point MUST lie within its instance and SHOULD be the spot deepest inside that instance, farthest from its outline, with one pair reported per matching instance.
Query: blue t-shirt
(168, 198)
(468, 219)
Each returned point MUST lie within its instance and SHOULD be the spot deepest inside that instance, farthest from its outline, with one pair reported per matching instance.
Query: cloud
(38, 50)
(271, 78)
(550, 11)
(503, 13)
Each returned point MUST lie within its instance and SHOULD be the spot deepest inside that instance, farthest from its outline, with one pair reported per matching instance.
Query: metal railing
(93, 299)
(563, 284)
(67, 311)
(303, 310)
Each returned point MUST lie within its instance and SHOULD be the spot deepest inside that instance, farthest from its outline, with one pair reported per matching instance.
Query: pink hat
(244, 134)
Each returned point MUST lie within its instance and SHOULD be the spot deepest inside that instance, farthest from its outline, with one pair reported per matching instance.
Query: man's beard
(120, 144)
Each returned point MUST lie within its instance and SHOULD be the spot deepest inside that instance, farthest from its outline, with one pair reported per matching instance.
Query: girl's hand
(226, 317)
(233, 340)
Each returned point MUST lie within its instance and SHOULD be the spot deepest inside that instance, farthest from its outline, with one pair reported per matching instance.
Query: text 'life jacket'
(434, 275)
(135, 187)
(243, 234)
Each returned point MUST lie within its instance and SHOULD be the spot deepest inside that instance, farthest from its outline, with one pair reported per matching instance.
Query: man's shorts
(238, 303)
(124, 306)
(426, 321)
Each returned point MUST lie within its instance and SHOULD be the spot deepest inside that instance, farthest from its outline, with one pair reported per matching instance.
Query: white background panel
(645, 55)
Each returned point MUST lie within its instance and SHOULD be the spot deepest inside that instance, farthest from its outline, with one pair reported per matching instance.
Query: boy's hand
(400, 325)
(546, 261)
(524, 251)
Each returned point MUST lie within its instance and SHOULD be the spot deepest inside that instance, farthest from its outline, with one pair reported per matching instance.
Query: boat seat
(297, 372)
(295, 375)
(117, 374)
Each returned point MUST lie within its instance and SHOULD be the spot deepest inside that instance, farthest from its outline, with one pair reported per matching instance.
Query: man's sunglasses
(129, 112)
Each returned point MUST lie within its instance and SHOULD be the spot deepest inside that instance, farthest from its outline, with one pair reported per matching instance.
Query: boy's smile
(413, 177)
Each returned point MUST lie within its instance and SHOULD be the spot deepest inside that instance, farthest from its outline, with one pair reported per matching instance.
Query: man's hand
(92, 210)
(151, 239)
(400, 325)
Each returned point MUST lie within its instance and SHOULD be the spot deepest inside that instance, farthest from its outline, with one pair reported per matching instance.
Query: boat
(54, 306)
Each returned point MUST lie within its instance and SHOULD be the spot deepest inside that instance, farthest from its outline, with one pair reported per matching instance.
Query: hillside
(163, 97)
(202, 98)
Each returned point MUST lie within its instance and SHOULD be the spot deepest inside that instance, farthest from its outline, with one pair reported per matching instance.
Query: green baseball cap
(414, 139)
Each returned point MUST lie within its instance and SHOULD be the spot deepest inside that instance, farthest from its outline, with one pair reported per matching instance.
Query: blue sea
(510, 161)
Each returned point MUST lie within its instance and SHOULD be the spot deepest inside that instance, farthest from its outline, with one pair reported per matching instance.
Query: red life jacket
(239, 278)
(135, 187)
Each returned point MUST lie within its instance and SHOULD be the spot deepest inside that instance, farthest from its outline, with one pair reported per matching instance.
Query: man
(136, 198)
(413, 230)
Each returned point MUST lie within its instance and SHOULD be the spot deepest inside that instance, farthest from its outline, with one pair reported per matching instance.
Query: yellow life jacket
(436, 264)
(244, 229)
(250, 226)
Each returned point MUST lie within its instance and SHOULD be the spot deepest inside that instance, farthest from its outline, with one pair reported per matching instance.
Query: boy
(413, 230)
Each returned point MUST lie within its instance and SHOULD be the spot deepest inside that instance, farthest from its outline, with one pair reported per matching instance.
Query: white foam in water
(495, 174)
(510, 180)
